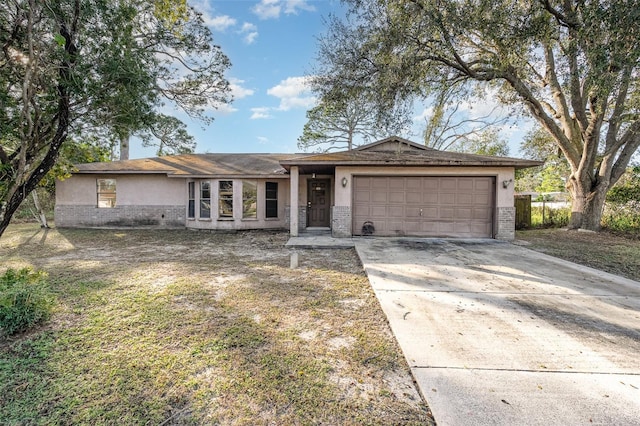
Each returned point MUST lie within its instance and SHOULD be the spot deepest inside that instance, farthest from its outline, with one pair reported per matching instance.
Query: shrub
(622, 217)
(25, 300)
(553, 217)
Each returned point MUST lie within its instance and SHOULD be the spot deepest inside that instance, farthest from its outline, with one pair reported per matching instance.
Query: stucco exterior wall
(504, 220)
(141, 200)
(237, 222)
(81, 189)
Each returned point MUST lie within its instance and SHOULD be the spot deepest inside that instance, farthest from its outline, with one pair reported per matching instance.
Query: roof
(392, 151)
(397, 151)
(197, 165)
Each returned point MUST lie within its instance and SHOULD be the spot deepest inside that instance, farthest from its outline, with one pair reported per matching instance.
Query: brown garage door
(424, 206)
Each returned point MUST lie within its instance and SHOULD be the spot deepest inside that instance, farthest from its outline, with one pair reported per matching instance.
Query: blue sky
(272, 45)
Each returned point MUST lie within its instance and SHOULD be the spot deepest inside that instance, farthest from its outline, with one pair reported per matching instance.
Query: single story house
(392, 187)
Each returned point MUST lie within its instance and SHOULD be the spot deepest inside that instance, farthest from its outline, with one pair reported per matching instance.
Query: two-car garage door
(428, 206)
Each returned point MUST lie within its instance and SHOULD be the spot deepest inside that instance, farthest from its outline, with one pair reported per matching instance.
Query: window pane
(191, 210)
(205, 209)
(271, 199)
(205, 200)
(106, 191)
(249, 199)
(225, 198)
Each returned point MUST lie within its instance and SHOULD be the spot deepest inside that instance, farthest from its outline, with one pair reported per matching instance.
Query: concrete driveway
(497, 334)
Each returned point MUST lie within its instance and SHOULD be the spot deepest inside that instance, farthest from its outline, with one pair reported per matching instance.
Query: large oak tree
(572, 65)
(95, 69)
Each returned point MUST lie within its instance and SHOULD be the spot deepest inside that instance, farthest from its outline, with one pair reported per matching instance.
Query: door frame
(327, 207)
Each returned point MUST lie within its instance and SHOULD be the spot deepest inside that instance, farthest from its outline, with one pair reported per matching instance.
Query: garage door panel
(414, 197)
(447, 198)
(464, 199)
(396, 197)
(466, 185)
(379, 196)
(425, 205)
(430, 198)
(414, 183)
(394, 212)
(378, 211)
(464, 213)
(362, 196)
(449, 184)
(413, 212)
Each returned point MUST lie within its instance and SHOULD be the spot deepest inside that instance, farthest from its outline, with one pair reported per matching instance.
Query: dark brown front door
(318, 203)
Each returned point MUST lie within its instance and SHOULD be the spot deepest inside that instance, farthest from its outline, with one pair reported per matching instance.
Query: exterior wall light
(344, 182)
(505, 183)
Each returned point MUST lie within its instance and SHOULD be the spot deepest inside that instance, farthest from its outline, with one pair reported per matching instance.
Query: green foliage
(551, 176)
(550, 218)
(25, 300)
(627, 189)
(97, 71)
(622, 218)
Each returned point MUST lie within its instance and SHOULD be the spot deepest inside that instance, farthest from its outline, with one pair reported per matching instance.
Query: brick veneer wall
(506, 223)
(341, 222)
(302, 217)
(69, 216)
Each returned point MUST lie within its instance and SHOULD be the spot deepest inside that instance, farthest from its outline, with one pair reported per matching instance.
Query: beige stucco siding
(150, 190)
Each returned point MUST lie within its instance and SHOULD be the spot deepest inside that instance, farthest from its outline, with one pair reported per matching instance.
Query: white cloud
(219, 23)
(237, 90)
(260, 113)
(250, 32)
(424, 115)
(294, 92)
(250, 38)
(225, 109)
(262, 140)
(271, 9)
(292, 6)
(267, 9)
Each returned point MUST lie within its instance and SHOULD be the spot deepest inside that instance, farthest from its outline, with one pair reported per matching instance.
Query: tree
(550, 177)
(95, 68)
(448, 128)
(335, 125)
(487, 142)
(169, 135)
(571, 65)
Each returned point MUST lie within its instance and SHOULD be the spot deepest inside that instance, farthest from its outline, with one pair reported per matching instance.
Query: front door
(318, 203)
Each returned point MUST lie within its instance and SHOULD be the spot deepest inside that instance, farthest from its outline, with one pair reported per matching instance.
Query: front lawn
(183, 327)
(605, 251)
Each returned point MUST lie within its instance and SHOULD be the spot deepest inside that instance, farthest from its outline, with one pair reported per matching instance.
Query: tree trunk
(124, 147)
(587, 205)
(39, 213)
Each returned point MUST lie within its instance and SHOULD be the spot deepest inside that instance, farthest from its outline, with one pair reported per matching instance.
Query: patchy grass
(602, 250)
(183, 327)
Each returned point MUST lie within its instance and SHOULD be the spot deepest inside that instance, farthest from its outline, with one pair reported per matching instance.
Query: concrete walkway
(496, 334)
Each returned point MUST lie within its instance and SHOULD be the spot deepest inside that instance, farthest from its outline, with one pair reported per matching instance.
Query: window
(249, 199)
(106, 193)
(225, 198)
(191, 212)
(205, 200)
(271, 199)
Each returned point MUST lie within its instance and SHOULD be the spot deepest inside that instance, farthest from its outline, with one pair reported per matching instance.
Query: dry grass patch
(605, 251)
(183, 327)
